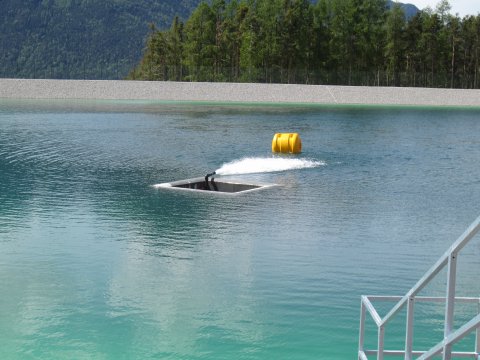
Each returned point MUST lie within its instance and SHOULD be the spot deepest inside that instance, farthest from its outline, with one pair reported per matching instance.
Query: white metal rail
(451, 336)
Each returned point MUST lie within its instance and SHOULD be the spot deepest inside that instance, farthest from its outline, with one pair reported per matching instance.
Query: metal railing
(450, 335)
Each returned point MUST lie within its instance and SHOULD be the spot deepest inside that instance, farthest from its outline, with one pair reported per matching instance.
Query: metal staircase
(444, 348)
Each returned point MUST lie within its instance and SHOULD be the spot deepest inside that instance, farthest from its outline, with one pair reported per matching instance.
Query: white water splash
(262, 165)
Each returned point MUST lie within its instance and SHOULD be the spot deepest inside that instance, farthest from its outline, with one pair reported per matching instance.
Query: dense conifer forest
(92, 39)
(349, 42)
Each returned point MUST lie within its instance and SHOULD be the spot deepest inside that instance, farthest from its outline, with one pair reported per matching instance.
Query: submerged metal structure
(210, 185)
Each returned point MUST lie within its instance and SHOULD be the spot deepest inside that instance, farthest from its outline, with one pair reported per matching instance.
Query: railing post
(381, 341)
(361, 339)
(477, 335)
(450, 303)
(409, 329)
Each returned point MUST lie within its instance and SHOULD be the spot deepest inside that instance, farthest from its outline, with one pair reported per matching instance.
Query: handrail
(435, 269)
(449, 258)
(453, 338)
(438, 299)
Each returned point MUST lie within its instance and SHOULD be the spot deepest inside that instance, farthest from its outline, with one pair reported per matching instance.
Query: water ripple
(95, 262)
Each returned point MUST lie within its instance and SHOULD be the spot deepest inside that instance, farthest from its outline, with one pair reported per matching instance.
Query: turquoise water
(95, 263)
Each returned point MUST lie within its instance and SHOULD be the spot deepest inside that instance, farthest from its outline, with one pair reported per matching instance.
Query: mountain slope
(409, 9)
(79, 38)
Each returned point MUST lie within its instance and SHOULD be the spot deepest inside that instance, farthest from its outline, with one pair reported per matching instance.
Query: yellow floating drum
(287, 143)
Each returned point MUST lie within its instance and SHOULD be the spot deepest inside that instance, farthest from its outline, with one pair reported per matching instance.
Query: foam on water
(253, 165)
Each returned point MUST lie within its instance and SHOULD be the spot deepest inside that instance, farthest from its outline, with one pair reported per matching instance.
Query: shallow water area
(95, 262)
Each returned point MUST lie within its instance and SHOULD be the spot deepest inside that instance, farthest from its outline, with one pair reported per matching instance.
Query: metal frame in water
(212, 186)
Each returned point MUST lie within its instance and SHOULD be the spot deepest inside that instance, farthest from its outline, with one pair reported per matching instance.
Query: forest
(79, 39)
(348, 42)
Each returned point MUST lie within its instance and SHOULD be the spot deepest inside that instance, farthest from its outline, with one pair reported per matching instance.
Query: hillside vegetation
(79, 38)
(351, 42)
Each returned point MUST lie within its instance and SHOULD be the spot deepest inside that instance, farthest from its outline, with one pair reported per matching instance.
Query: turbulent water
(95, 263)
(263, 165)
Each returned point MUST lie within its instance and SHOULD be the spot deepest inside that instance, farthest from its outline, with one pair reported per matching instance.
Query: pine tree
(350, 42)
(320, 39)
(200, 44)
(395, 46)
(175, 50)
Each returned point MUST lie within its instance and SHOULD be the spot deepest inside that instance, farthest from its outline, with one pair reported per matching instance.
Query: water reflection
(97, 263)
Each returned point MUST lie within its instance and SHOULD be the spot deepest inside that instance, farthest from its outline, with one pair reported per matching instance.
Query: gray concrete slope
(234, 92)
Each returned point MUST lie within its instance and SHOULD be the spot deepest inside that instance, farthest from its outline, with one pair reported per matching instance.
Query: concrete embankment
(234, 92)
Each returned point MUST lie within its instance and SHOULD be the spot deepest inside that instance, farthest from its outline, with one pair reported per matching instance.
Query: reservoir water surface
(96, 263)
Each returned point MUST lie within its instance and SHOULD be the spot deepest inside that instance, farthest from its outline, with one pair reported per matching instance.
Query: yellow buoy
(287, 143)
